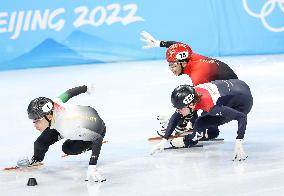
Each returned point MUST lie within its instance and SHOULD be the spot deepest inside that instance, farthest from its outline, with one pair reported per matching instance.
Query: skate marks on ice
(196, 171)
(51, 179)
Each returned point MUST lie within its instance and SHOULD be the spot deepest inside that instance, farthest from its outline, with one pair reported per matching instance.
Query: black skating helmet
(182, 96)
(40, 107)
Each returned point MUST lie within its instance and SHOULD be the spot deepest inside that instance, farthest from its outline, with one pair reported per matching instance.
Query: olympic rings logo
(266, 10)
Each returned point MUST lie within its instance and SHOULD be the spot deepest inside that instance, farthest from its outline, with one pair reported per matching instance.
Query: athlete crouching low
(80, 125)
(222, 101)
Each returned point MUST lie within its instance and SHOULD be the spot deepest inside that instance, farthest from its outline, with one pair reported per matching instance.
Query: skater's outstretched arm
(64, 97)
(151, 42)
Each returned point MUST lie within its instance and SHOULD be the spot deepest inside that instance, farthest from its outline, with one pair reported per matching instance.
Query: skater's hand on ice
(159, 147)
(90, 88)
(23, 162)
(93, 173)
(151, 42)
(26, 162)
(240, 155)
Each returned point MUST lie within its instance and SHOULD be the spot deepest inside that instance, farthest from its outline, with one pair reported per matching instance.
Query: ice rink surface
(128, 97)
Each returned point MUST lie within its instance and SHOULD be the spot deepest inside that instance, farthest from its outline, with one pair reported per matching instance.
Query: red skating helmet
(178, 52)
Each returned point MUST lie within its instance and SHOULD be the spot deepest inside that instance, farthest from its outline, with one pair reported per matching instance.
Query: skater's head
(40, 110)
(178, 56)
(184, 99)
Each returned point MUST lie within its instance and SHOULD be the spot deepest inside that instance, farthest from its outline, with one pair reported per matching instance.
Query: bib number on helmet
(47, 107)
(188, 99)
(182, 55)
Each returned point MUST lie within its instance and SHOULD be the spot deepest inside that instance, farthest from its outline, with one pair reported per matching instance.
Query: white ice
(128, 97)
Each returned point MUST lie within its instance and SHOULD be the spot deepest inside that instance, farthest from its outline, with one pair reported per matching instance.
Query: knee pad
(68, 149)
(213, 133)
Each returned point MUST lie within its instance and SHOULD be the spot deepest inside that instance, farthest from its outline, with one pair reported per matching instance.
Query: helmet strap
(190, 110)
(49, 121)
(182, 67)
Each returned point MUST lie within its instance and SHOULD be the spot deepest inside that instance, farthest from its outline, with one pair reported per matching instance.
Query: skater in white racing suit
(81, 126)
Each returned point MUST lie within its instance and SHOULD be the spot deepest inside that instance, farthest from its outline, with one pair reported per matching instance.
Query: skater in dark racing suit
(222, 101)
(80, 125)
(199, 68)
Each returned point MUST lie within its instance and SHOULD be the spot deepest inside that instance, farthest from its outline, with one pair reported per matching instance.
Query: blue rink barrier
(57, 33)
